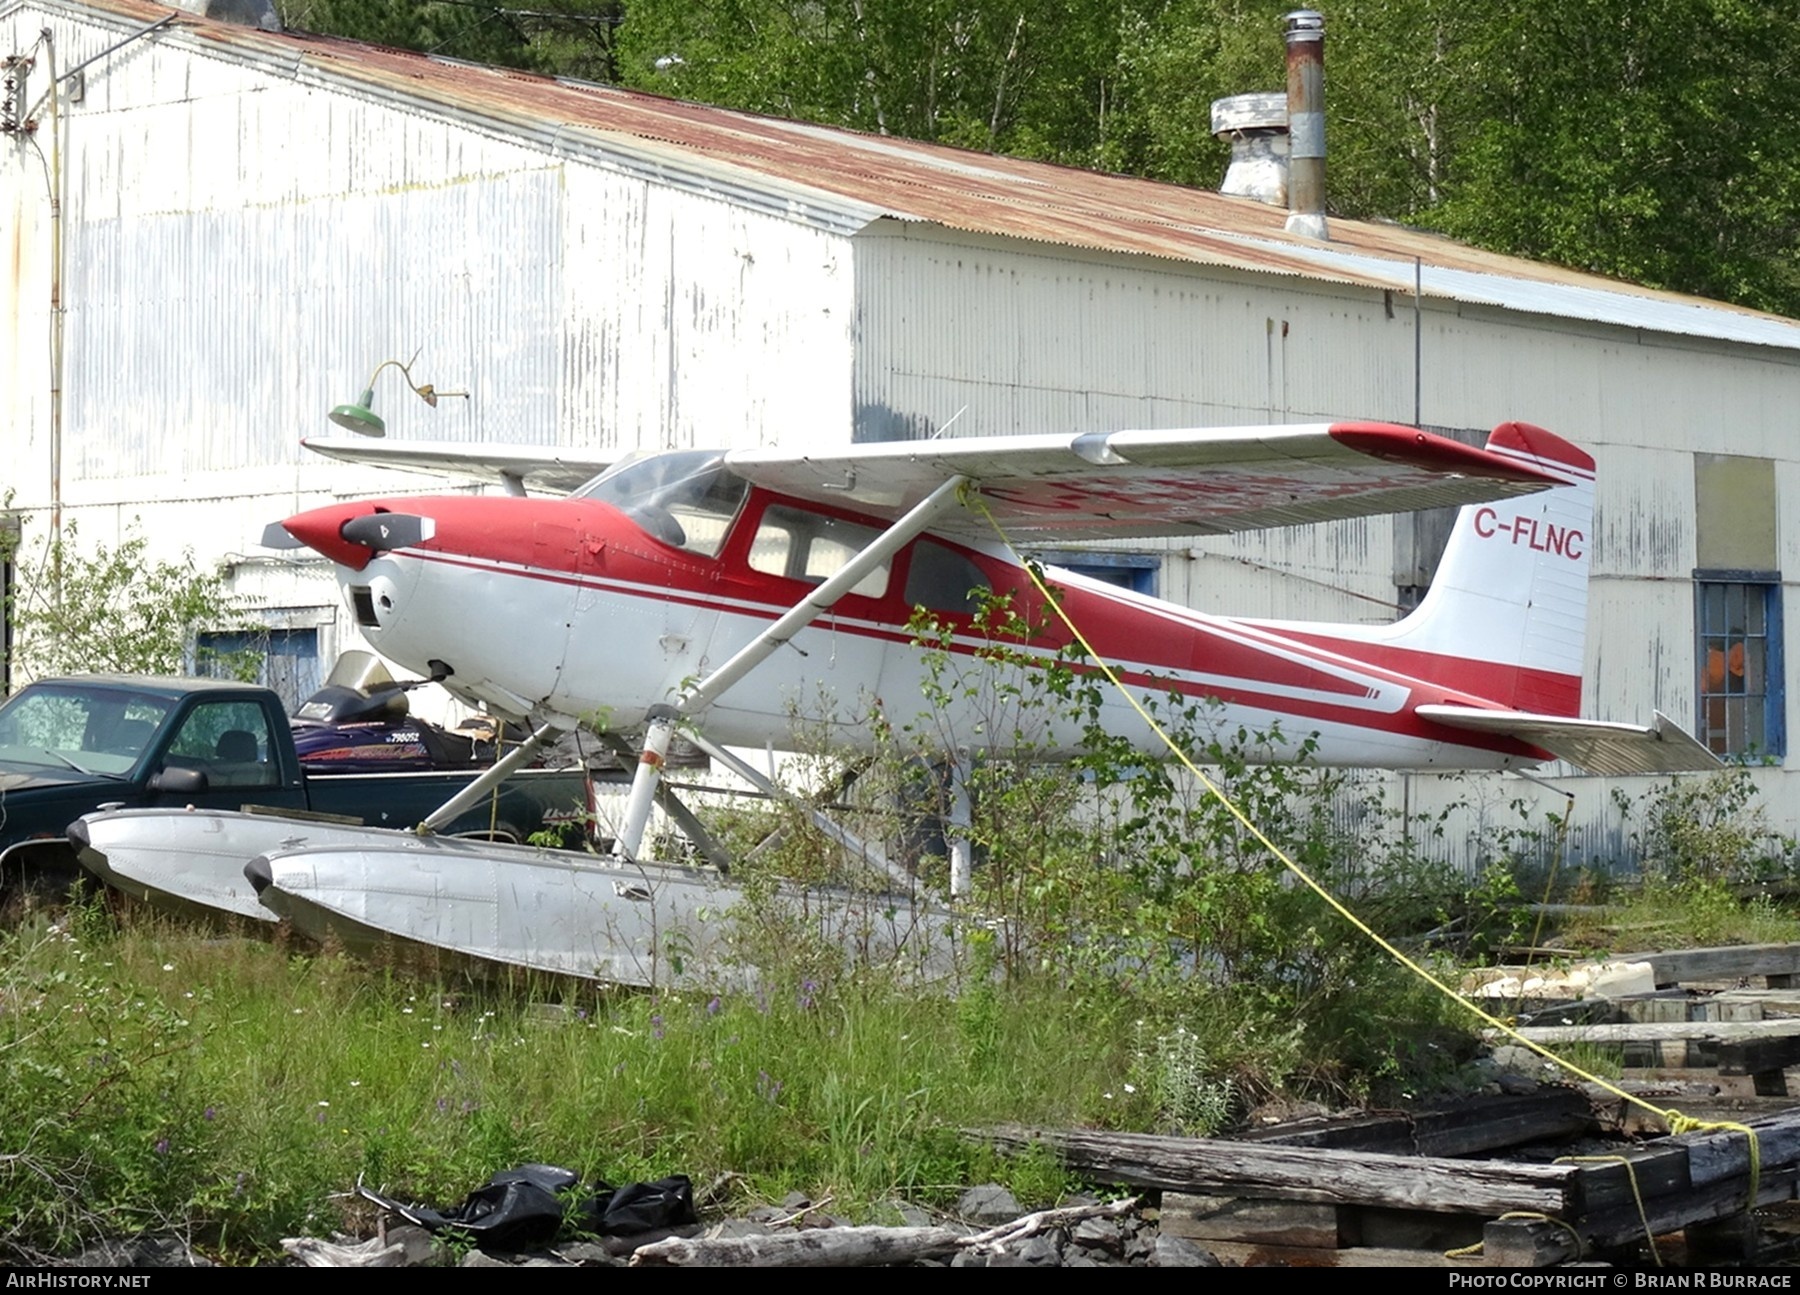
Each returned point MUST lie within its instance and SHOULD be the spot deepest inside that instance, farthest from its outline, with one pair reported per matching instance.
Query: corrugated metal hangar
(215, 231)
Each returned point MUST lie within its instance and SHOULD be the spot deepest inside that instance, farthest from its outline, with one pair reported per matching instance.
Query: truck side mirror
(178, 781)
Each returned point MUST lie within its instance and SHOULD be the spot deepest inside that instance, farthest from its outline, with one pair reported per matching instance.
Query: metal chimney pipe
(1305, 36)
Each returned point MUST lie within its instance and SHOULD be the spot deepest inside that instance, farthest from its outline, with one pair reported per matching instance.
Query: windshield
(684, 498)
(360, 671)
(91, 730)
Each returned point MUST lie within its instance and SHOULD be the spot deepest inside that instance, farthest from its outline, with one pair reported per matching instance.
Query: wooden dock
(1372, 1192)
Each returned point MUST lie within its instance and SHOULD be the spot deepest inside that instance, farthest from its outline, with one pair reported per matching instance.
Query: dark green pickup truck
(70, 746)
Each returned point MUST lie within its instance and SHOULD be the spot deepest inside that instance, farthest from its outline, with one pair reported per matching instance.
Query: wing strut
(661, 729)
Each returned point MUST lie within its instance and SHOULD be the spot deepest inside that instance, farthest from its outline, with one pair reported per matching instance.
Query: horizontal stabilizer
(1596, 746)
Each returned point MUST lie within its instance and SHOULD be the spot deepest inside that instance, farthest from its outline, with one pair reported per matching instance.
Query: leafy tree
(115, 610)
(1651, 144)
(480, 33)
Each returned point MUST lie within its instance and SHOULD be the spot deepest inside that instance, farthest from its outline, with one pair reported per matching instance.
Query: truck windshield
(91, 730)
(685, 498)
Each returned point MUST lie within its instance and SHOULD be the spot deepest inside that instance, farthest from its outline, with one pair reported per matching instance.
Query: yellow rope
(1674, 1120)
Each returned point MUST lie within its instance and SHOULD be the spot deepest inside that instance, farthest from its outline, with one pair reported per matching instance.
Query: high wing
(1597, 746)
(516, 467)
(1070, 488)
(1116, 485)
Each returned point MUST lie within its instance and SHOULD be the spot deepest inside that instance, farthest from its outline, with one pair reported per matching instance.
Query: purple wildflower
(162, 1146)
(712, 1008)
(656, 1026)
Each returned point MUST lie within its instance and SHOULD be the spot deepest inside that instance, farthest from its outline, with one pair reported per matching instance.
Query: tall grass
(153, 1075)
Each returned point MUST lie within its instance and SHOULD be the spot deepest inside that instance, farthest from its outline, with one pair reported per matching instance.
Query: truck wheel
(39, 869)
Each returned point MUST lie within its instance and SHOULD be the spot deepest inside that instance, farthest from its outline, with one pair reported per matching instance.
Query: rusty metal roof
(845, 180)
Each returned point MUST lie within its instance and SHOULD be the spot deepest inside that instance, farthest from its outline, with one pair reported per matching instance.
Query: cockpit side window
(686, 499)
(801, 545)
(940, 579)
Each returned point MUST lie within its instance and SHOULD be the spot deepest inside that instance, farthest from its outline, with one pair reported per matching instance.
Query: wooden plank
(1729, 962)
(1211, 1166)
(1755, 1056)
(1520, 1243)
(1241, 1254)
(1772, 1002)
(1657, 1032)
(1552, 1113)
(1306, 1224)
(1716, 1155)
(1740, 1047)
(1659, 1169)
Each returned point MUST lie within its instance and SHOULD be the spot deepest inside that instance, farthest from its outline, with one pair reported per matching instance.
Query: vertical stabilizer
(1505, 619)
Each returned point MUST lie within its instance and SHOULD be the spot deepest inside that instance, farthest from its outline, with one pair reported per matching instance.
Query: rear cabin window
(799, 545)
(942, 580)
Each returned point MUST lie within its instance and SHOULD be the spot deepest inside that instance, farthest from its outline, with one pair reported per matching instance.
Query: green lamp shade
(360, 418)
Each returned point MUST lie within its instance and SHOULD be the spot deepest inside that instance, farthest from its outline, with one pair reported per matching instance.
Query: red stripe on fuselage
(1548, 692)
(579, 542)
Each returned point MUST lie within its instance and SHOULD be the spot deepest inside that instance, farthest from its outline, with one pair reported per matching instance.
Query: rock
(415, 1242)
(588, 1254)
(1039, 1252)
(482, 1259)
(990, 1203)
(738, 1228)
(311, 1252)
(140, 1252)
(911, 1216)
(1178, 1252)
(624, 1245)
(1099, 1234)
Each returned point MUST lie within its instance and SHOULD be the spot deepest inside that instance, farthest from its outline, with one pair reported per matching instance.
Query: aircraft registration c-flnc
(721, 589)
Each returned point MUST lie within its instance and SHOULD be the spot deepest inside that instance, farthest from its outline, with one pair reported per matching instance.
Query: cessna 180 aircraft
(721, 590)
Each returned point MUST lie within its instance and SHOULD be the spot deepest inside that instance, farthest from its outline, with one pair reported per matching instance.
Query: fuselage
(596, 607)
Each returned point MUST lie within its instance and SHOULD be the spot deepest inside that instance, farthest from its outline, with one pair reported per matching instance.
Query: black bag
(520, 1208)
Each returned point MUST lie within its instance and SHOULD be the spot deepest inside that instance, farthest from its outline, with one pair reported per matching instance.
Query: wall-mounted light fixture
(361, 417)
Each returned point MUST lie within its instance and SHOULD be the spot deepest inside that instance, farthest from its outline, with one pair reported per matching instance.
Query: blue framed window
(1134, 571)
(1742, 701)
(287, 660)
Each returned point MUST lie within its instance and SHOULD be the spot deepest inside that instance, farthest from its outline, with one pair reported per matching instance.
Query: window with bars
(1741, 698)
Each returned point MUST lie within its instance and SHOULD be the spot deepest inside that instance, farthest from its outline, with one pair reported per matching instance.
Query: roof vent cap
(245, 13)
(1256, 127)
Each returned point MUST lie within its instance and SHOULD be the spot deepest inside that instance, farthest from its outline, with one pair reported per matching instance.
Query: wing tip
(1435, 453)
